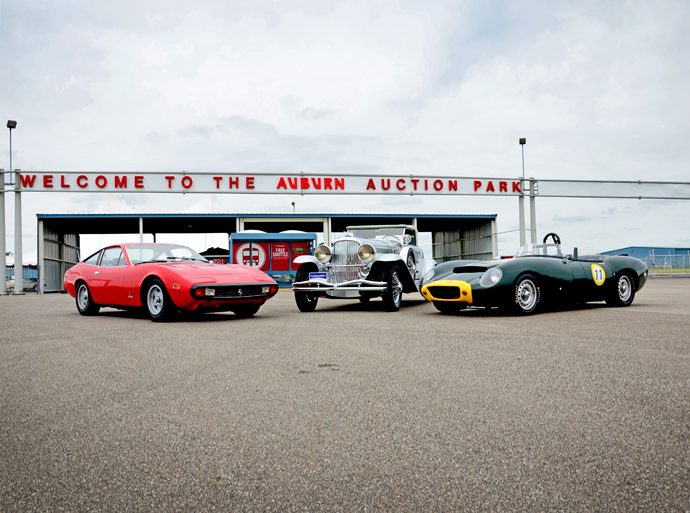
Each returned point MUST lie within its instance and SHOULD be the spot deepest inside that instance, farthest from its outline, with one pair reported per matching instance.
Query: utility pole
(18, 262)
(521, 198)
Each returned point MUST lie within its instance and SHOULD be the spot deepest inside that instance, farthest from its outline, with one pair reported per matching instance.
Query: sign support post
(18, 261)
(533, 210)
(521, 215)
(3, 249)
(521, 198)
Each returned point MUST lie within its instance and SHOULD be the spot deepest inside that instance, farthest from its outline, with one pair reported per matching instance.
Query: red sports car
(164, 278)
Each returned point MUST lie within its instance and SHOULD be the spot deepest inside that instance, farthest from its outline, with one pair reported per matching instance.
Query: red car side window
(93, 259)
(112, 257)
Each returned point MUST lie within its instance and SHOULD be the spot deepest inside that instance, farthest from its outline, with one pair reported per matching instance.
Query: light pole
(3, 249)
(18, 262)
(11, 124)
(521, 198)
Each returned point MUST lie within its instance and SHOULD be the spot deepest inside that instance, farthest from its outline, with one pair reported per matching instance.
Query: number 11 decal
(598, 274)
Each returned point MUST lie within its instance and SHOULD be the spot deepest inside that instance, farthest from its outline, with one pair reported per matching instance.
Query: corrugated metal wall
(61, 253)
(469, 244)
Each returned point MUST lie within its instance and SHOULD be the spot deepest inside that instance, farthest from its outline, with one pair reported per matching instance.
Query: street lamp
(11, 124)
(521, 198)
(18, 263)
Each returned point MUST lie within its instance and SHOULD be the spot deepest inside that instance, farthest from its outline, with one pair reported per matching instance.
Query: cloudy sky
(599, 89)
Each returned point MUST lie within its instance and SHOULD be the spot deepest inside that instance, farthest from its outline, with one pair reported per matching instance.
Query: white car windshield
(379, 233)
(548, 250)
(141, 253)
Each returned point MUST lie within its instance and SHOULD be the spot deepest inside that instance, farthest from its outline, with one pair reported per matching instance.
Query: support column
(494, 239)
(521, 200)
(521, 215)
(41, 252)
(3, 248)
(141, 229)
(326, 227)
(18, 261)
(62, 255)
(533, 209)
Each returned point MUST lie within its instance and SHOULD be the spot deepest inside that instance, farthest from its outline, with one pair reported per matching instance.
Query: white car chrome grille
(345, 260)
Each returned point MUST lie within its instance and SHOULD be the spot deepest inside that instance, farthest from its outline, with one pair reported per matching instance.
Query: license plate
(318, 276)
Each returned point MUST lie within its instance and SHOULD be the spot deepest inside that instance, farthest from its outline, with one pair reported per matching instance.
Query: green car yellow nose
(448, 290)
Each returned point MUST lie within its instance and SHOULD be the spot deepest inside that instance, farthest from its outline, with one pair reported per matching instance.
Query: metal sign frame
(183, 182)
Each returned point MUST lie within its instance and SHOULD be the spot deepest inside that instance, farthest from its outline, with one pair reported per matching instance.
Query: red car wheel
(157, 302)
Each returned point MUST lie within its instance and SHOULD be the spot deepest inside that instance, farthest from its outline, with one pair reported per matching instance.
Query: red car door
(105, 282)
(132, 276)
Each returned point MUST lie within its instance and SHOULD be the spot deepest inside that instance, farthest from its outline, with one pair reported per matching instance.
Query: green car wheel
(527, 295)
(623, 292)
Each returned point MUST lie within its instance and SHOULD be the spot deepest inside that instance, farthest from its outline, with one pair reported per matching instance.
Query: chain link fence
(665, 265)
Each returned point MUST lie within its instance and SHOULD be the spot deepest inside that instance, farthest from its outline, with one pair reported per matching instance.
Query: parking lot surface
(347, 409)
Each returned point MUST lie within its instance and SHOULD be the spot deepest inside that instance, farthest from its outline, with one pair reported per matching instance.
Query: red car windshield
(142, 253)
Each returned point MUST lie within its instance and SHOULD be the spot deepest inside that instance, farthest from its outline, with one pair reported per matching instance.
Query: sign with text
(280, 256)
(219, 183)
(293, 183)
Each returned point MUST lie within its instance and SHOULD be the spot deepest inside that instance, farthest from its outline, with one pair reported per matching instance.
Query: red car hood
(212, 273)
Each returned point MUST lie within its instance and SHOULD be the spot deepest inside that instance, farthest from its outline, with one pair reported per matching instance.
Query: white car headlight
(491, 277)
(323, 253)
(366, 252)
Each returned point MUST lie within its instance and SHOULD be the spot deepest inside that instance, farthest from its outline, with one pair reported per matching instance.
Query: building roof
(656, 249)
(262, 215)
(224, 222)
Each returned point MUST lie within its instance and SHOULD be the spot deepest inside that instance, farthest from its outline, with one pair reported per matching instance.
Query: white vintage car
(369, 261)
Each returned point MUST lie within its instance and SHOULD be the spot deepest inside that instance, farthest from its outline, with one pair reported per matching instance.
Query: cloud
(576, 219)
(202, 131)
(444, 87)
(247, 125)
(315, 114)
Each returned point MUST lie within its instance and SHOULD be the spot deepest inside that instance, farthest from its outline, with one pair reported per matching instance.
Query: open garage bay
(347, 409)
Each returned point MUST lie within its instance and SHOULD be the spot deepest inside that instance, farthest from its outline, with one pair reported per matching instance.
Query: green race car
(538, 275)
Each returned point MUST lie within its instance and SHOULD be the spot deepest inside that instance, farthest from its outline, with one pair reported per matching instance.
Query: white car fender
(306, 259)
(389, 257)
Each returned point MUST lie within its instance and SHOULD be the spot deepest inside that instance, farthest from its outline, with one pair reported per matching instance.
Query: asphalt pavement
(349, 408)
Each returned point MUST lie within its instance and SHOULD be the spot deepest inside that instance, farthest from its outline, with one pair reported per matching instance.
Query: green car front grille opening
(445, 292)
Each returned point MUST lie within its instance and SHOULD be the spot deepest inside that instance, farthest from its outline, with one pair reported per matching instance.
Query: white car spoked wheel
(158, 304)
(392, 298)
(527, 295)
(305, 301)
(412, 265)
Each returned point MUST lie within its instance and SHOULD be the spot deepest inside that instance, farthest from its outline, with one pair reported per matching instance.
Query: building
(449, 236)
(660, 259)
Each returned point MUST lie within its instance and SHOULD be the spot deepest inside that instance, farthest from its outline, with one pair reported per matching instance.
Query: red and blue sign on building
(273, 253)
